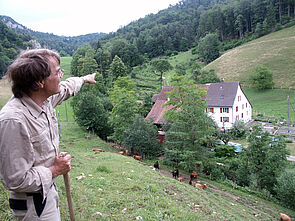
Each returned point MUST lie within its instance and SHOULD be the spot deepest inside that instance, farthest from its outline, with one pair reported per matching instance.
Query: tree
(91, 108)
(262, 78)
(123, 85)
(208, 77)
(122, 116)
(208, 47)
(88, 63)
(191, 128)
(161, 65)
(141, 136)
(266, 158)
(146, 105)
(83, 57)
(117, 68)
(125, 108)
(224, 135)
(285, 188)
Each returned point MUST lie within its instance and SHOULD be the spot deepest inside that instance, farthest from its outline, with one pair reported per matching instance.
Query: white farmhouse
(226, 104)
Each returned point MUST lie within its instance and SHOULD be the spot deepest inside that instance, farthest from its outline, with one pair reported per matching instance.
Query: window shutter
(220, 119)
(212, 110)
(220, 110)
(227, 110)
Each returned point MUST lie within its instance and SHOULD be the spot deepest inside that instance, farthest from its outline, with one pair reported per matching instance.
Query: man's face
(51, 84)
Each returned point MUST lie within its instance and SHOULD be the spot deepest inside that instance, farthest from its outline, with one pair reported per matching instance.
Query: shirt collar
(33, 108)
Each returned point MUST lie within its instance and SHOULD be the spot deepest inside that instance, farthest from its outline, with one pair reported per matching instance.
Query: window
(239, 98)
(242, 116)
(237, 117)
(211, 110)
(246, 105)
(237, 109)
(224, 110)
(225, 119)
(242, 106)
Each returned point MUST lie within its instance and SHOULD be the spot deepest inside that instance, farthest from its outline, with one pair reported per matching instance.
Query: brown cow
(137, 157)
(284, 217)
(202, 186)
(96, 150)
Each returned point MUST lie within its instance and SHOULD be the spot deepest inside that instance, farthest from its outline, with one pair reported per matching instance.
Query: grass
(276, 51)
(272, 102)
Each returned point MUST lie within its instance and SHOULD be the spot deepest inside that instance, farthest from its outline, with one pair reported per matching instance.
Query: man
(29, 144)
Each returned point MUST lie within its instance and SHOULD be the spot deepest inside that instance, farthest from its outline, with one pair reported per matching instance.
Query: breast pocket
(42, 145)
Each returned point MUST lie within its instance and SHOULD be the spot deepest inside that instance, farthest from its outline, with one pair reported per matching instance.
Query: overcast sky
(72, 17)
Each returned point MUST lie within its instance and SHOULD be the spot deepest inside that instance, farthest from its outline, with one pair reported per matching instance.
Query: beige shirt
(29, 141)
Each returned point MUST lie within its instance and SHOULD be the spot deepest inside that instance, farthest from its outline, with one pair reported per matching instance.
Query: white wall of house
(225, 117)
(242, 109)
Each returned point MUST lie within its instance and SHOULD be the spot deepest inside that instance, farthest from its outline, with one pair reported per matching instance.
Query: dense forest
(180, 27)
(10, 43)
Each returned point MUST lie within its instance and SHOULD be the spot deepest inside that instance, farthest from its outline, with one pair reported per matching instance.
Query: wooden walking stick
(69, 196)
(68, 192)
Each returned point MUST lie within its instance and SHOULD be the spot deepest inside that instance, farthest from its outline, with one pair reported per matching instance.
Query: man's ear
(40, 84)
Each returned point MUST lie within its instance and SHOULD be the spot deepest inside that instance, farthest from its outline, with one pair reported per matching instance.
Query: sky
(72, 17)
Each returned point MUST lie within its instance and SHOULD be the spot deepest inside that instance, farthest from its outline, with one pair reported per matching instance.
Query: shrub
(215, 171)
(239, 130)
(225, 151)
(285, 188)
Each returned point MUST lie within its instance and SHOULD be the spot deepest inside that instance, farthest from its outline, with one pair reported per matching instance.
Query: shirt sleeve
(69, 88)
(17, 171)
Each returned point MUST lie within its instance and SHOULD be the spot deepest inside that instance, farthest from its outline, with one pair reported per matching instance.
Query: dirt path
(216, 189)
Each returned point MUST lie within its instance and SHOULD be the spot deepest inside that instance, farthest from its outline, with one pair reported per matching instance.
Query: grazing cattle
(194, 175)
(180, 179)
(175, 173)
(202, 186)
(284, 217)
(121, 152)
(136, 157)
(156, 165)
(96, 150)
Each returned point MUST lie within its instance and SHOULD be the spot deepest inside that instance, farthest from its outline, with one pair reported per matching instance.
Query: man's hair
(30, 67)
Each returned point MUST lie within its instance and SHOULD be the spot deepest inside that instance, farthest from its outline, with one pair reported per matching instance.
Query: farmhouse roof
(222, 94)
(218, 95)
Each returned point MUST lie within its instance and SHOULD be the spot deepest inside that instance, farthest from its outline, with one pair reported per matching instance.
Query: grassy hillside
(276, 51)
(272, 102)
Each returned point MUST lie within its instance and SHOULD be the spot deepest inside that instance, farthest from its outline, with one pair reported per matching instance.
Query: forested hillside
(63, 44)
(10, 43)
(181, 26)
